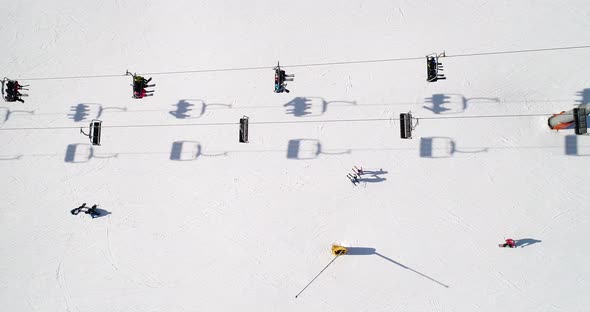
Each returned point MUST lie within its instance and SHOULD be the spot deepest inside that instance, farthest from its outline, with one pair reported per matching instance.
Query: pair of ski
(354, 178)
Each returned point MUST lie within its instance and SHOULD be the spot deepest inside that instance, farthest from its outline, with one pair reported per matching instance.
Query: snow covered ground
(200, 222)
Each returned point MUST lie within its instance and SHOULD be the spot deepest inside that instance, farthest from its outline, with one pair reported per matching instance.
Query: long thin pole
(316, 276)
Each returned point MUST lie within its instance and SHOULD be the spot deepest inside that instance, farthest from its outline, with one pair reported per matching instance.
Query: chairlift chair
(580, 122)
(280, 78)
(434, 67)
(139, 86)
(407, 125)
(11, 93)
(244, 129)
(94, 131)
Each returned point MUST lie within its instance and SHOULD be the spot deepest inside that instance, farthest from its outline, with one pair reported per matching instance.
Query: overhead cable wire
(279, 122)
(252, 68)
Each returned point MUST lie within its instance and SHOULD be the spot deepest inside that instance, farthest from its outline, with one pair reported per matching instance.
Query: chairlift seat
(94, 131)
(405, 125)
(244, 129)
(580, 123)
(434, 68)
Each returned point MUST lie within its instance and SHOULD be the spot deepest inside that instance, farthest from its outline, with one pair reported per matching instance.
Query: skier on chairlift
(12, 93)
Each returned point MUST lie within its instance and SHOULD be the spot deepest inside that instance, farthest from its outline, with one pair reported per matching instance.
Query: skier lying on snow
(91, 211)
(509, 243)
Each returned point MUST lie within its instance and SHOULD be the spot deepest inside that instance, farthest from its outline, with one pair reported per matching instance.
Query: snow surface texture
(200, 222)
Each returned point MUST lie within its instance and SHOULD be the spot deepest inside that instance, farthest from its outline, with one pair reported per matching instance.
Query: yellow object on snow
(339, 250)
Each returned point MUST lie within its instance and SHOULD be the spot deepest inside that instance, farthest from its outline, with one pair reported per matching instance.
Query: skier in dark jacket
(92, 212)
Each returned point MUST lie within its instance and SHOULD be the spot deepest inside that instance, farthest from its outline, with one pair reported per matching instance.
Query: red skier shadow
(523, 242)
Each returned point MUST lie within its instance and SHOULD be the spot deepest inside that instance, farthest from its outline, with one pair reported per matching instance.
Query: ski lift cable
(210, 70)
(280, 122)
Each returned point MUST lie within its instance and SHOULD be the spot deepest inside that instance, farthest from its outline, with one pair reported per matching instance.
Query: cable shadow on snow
(185, 108)
(302, 149)
(442, 147)
(304, 106)
(81, 153)
(190, 150)
(367, 251)
(305, 149)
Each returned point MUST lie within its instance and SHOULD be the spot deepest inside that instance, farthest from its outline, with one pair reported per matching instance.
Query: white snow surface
(230, 226)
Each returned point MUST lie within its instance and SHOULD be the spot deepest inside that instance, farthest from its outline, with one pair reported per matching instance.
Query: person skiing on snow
(357, 170)
(76, 211)
(92, 212)
(509, 243)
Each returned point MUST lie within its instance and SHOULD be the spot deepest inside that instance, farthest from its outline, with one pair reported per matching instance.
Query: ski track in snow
(60, 276)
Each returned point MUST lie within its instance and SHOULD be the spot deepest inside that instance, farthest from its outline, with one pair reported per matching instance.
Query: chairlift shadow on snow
(442, 147)
(309, 149)
(11, 157)
(184, 108)
(6, 113)
(367, 251)
(524, 242)
(452, 103)
(572, 146)
(584, 97)
(190, 150)
(82, 152)
(305, 106)
(81, 111)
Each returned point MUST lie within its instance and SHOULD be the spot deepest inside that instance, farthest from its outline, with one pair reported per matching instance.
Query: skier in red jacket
(509, 243)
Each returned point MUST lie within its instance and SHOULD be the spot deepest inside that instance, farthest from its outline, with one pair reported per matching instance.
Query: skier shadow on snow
(81, 153)
(374, 176)
(302, 106)
(184, 108)
(6, 113)
(367, 251)
(81, 111)
(442, 147)
(571, 146)
(190, 150)
(452, 103)
(309, 149)
(101, 212)
(523, 242)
